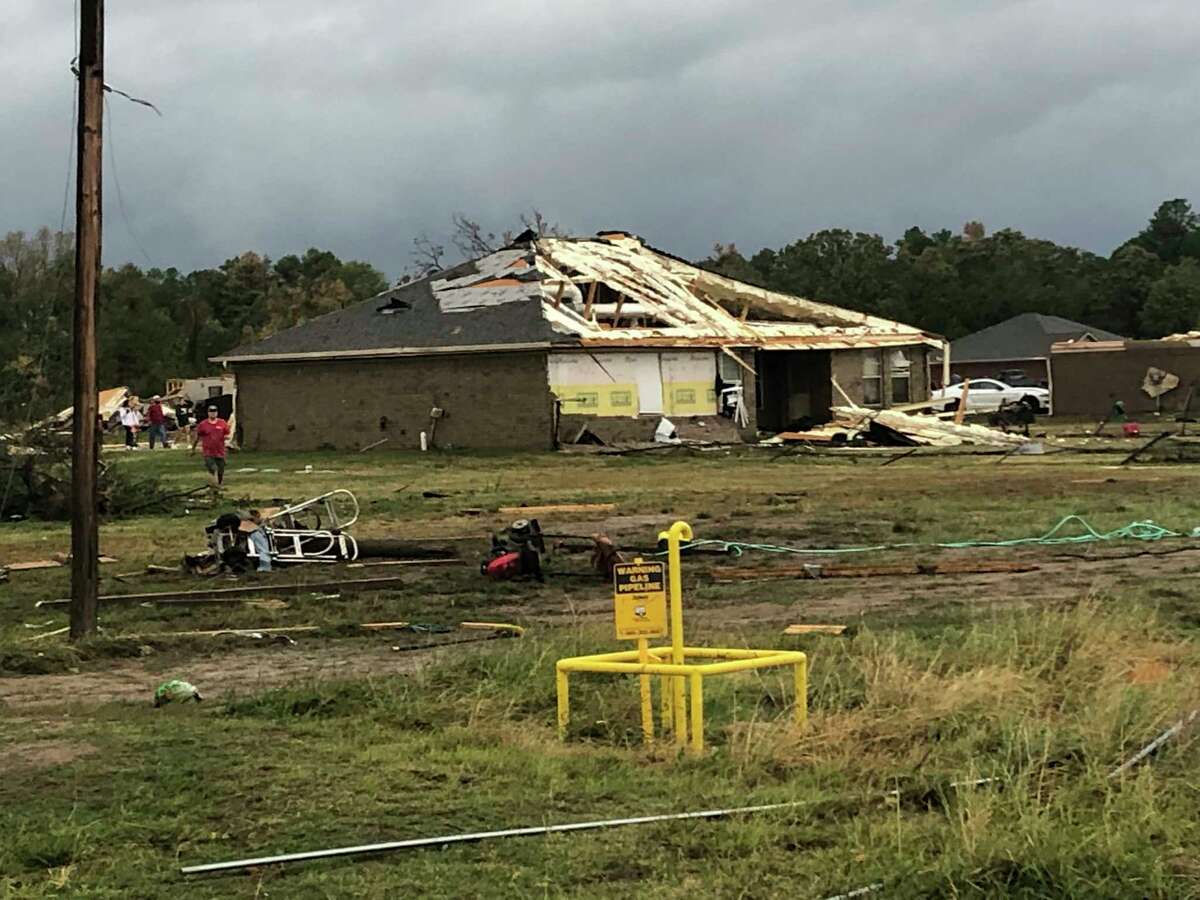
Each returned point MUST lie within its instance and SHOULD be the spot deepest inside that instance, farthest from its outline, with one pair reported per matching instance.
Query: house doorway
(794, 388)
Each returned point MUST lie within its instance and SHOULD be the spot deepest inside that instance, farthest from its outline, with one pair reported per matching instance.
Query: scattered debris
(474, 837)
(1158, 382)
(605, 556)
(46, 634)
(517, 553)
(889, 427)
(1146, 446)
(816, 629)
(1153, 746)
(176, 691)
(55, 563)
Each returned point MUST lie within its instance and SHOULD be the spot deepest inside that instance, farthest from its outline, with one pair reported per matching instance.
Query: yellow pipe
(680, 531)
(802, 693)
(697, 714)
(587, 664)
(644, 688)
(666, 713)
(564, 701)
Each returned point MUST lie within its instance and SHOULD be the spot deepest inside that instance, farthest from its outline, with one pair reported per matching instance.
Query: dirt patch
(243, 670)
(42, 754)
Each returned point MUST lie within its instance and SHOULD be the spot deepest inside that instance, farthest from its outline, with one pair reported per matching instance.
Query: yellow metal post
(644, 686)
(697, 713)
(802, 693)
(666, 714)
(680, 531)
(564, 703)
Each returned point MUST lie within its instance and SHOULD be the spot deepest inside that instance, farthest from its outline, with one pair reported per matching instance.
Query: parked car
(1018, 378)
(988, 394)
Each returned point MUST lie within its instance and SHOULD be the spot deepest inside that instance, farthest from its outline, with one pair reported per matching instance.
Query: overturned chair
(307, 532)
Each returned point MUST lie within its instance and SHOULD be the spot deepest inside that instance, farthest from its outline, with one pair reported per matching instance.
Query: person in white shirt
(131, 419)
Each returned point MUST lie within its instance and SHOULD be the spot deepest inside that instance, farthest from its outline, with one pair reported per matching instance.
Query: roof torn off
(613, 290)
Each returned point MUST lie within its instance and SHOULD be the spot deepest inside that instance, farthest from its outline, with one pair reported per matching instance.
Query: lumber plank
(815, 629)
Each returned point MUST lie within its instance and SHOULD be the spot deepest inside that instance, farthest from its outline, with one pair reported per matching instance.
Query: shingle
(1027, 336)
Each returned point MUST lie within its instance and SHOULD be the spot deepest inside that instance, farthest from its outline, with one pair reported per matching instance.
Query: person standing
(130, 420)
(183, 418)
(158, 421)
(211, 434)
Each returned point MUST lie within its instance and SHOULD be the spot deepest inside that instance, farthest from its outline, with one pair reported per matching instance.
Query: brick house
(525, 346)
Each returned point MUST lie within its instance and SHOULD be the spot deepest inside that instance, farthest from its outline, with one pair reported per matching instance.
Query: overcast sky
(356, 125)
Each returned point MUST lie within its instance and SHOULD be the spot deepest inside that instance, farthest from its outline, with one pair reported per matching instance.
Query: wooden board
(814, 629)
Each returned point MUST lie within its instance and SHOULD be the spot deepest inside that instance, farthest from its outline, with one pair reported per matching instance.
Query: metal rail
(444, 840)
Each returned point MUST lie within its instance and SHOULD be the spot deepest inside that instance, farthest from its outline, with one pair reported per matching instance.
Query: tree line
(152, 324)
(955, 284)
(157, 323)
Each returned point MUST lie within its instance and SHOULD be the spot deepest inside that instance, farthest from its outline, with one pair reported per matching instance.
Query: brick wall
(847, 368)
(1087, 382)
(491, 400)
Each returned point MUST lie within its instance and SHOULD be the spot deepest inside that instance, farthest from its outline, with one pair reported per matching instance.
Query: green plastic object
(176, 691)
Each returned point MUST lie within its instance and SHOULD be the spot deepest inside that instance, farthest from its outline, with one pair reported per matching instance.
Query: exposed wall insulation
(606, 383)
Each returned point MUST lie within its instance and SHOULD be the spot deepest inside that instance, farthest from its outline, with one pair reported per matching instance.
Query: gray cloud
(359, 125)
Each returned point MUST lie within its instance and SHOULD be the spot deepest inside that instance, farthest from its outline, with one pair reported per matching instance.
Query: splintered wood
(925, 431)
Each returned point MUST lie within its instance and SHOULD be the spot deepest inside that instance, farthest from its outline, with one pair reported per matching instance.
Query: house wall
(1087, 382)
(847, 368)
(491, 400)
(625, 393)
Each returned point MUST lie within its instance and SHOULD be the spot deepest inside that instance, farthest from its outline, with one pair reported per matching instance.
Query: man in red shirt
(158, 422)
(211, 434)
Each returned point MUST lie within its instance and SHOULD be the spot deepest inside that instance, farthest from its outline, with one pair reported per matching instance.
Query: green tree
(1173, 304)
(1172, 233)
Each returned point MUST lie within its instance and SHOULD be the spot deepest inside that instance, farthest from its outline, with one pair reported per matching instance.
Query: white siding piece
(460, 295)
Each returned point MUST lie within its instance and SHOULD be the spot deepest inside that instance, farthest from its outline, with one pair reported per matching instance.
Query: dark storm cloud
(356, 126)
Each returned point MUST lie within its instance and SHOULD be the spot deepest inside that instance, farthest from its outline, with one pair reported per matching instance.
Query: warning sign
(640, 599)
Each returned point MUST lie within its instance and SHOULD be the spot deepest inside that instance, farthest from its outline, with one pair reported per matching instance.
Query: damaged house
(529, 345)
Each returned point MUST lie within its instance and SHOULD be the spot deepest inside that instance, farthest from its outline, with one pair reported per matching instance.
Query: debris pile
(893, 428)
(35, 481)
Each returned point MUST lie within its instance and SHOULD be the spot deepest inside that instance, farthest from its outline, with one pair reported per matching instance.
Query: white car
(987, 395)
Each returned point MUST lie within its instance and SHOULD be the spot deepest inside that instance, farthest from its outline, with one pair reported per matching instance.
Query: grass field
(1040, 682)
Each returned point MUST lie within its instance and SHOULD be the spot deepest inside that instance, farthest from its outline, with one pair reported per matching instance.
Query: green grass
(1030, 686)
(1038, 702)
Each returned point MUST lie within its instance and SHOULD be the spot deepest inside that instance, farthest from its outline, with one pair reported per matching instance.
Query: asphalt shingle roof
(1027, 336)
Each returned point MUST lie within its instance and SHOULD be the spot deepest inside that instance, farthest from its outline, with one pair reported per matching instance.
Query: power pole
(85, 534)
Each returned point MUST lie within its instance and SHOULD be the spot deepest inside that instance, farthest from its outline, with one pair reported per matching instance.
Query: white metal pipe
(443, 840)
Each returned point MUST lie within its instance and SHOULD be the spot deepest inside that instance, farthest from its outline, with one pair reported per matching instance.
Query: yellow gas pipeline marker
(640, 614)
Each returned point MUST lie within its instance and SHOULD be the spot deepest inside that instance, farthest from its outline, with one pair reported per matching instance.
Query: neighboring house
(531, 344)
(1021, 343)
(1146, 376)
(200, 390)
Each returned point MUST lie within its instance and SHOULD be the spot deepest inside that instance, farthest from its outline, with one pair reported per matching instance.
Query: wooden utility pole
(85, 535)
